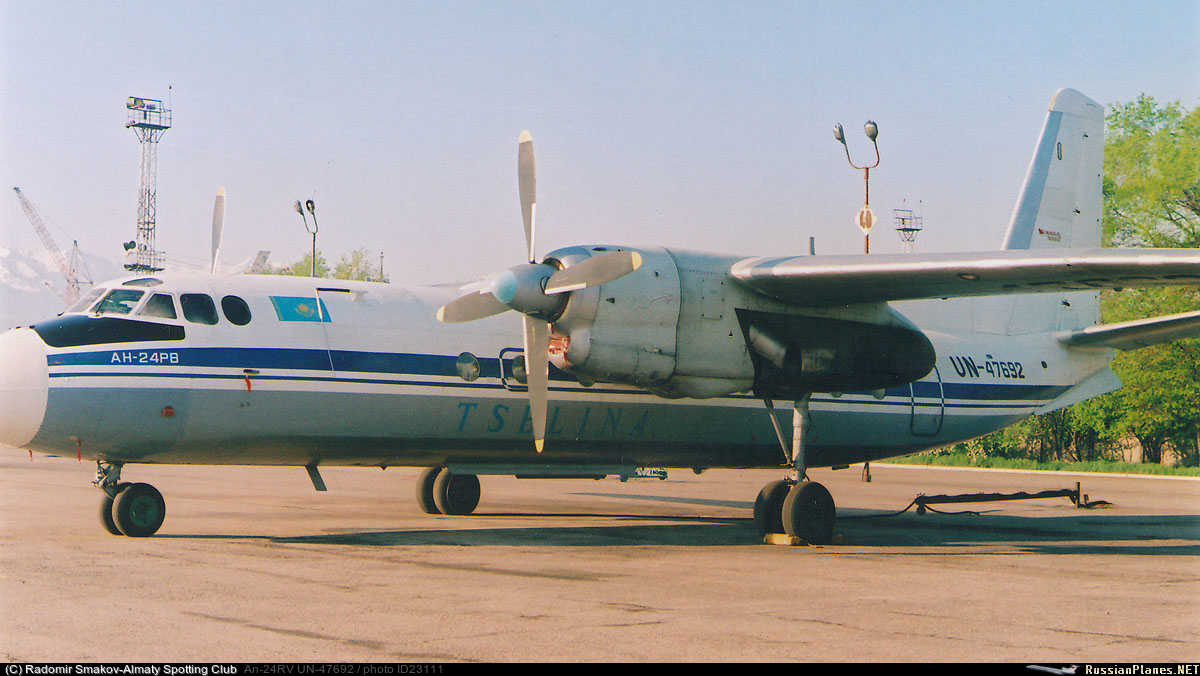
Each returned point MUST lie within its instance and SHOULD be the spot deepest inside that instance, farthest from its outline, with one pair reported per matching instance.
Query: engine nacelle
(622, 331)
(679, 326)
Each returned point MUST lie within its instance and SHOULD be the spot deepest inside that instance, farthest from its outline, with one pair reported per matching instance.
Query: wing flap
(1135, 334)
(840, 280)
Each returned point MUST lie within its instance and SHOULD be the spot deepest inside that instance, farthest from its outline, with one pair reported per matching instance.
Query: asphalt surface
(252, 565)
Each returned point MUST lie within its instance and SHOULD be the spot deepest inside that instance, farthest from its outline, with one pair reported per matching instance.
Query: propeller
(537, 290)
(218, 226)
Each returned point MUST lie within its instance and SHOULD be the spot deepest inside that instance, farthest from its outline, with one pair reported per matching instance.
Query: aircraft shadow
(885, 532)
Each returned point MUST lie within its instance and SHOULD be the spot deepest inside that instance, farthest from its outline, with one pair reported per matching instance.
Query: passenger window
(159, 305)
(86, 302)
(236, 310)
(198, 308)
(119, 302)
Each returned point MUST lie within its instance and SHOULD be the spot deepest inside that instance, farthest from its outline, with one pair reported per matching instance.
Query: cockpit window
(86, 302)
(159, 305)
(198, 308)
(119, 302)
(236, 310)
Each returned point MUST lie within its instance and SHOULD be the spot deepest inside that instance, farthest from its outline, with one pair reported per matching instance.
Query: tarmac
(253, 565)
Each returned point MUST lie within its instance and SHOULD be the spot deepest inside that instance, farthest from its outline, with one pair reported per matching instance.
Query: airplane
(609, 358)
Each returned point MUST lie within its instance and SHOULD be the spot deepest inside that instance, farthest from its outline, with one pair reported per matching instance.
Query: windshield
(119, 302)
(86, 302)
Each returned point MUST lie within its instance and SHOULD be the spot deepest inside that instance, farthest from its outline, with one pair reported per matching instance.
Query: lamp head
(872, 130)
(839, 134)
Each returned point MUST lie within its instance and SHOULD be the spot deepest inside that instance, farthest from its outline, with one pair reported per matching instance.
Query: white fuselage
(367, 376)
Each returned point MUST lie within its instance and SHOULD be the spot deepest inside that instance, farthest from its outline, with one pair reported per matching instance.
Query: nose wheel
(130, 509)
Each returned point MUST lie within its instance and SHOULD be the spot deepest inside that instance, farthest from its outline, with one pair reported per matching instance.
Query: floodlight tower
(908, 225)
(865, 219)
(148, 119)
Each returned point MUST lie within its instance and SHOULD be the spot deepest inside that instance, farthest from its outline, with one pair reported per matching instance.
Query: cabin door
(927, 401)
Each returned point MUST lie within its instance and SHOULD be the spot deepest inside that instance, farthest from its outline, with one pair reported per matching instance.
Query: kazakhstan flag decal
(299, 309)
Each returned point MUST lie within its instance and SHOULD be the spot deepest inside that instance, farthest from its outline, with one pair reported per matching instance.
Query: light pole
(312, 209)
(865, 218)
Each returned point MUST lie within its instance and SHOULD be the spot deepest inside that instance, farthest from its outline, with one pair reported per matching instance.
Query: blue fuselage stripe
(345, 364)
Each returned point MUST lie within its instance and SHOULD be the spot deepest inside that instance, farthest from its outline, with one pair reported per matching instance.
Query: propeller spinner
(537, 290)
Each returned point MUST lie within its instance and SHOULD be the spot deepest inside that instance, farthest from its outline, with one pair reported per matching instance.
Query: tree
(358, 266)
(1152, 198)
(1152, 175)
(355, 265)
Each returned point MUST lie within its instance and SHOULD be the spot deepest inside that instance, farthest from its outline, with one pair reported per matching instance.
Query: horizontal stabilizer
(844, 279)
(1135, 334)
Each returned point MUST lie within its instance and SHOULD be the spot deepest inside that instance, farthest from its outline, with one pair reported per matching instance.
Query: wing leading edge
(816, 281)
(1135, 334)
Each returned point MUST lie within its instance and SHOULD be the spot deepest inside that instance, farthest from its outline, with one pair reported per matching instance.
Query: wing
(841, 280)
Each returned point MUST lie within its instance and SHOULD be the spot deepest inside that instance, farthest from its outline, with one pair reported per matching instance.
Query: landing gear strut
(440, 491)
(135, 510)
(796, 506)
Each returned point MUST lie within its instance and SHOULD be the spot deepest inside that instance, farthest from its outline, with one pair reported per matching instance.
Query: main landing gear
(796, 506)
(135, 510)
(440, 491)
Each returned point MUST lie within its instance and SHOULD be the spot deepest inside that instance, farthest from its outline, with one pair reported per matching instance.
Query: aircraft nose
(24, 386)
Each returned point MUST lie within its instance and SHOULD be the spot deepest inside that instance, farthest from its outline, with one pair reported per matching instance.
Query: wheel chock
(785, 540)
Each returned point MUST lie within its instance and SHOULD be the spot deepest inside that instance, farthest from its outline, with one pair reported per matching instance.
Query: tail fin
(1059, 208)
(1060, 203)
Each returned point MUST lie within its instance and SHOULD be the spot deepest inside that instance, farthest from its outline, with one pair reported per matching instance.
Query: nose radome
(24, 386)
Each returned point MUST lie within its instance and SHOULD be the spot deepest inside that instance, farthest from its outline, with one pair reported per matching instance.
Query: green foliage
(356, 265)
(964, 459)
(1152, 175)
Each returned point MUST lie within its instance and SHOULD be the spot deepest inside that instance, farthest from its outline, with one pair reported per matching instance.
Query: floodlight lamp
(839, 134)
(312, 207)
(299, 208)
(872, 130)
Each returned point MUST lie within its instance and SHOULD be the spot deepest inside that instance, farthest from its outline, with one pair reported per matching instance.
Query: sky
(694, 125)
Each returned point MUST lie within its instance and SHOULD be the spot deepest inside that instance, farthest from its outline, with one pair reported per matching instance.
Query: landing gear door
(928, 405)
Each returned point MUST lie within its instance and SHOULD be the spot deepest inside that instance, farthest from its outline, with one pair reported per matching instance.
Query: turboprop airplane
(615, 357)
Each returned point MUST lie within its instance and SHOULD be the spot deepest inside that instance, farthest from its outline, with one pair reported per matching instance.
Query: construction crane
(70, 272)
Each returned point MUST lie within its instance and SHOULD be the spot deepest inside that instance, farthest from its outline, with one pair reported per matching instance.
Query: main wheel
(768, 508)
(106, 511)
(456, 494)
(425, 490)
(809, 513)
(138, 510)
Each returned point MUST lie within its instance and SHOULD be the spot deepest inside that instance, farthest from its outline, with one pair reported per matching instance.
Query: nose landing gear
(134, 510)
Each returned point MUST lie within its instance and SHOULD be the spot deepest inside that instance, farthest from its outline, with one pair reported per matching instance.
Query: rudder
(1060, 203)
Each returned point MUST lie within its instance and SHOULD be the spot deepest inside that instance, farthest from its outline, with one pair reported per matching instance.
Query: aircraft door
(927, 399)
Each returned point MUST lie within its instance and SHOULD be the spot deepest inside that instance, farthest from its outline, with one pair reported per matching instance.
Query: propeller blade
(470, 307)
(537, 369)
(527, 184)
(218, 225)
(594, 271)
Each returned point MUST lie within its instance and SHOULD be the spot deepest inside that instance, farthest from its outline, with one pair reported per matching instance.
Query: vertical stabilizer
(1059, 206)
